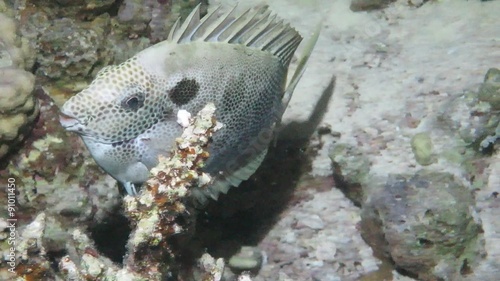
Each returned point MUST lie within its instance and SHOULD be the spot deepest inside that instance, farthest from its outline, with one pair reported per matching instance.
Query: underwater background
(386, 166)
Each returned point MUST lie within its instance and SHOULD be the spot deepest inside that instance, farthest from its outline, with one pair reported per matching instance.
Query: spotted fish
(127, 116)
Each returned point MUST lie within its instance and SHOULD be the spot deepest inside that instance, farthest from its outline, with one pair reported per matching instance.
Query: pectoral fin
(223, 183)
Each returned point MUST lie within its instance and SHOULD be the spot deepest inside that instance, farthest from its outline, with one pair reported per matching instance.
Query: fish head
(120, 104)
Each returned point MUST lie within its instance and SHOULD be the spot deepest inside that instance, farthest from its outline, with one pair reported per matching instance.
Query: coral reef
(154, 17)
(75, 39)
(53, 176)
(63, 59)
(398, 71)
(157, 214)
(18, 106)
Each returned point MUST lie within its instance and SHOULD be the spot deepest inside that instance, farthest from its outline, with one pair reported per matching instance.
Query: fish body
(127, 116)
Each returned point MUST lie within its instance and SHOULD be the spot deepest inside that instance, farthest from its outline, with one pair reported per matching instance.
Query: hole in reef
(406, 272)
(113, 10)
(429, 214)
(54, 257)
(110, 236)
(465, 269)
(425, 243)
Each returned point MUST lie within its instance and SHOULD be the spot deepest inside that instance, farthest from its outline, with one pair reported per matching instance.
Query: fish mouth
(70, 123)
(73, 124)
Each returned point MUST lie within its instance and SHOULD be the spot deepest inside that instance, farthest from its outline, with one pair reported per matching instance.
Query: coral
(210, 269)
(155, 212)
(31, 256)
(72, 49)
(154, 16)
(18, 107)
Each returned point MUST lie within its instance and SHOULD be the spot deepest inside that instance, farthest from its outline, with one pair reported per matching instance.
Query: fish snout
(69, 122)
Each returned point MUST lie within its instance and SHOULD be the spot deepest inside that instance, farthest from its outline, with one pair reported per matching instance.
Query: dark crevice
(113, 10)
(110, 236)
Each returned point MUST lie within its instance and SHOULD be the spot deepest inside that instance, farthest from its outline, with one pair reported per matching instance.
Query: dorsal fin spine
(256, 28)
(263, 32)
(190, 24)
(207, 20)
(222, 24)
(173, 30)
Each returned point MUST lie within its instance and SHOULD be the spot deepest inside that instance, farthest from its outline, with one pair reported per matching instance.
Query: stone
(366, 5)
(60, 58)
(421, 145)
(490, 89)
(350, 170)
(474, 115)
(312, 221)
(426, 223)
(247, 259)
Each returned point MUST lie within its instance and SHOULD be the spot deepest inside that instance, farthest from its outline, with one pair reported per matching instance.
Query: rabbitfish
(127, 116)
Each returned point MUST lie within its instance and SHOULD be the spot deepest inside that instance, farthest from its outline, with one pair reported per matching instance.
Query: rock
(71, 50)
(366, 5)
(350, 170)
(153, 16)
(75, 8)
(421, 145)
(211, 268)
(490, 89)
(247, 259)
(474, 115)
(426, 223)
(18, 106)
(312, 221)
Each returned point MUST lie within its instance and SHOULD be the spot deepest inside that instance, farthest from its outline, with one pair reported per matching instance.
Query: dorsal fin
(299, 71)
(255, 28)
(301, 66)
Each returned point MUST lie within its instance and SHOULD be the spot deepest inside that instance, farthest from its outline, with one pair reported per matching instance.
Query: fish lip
(70, 122)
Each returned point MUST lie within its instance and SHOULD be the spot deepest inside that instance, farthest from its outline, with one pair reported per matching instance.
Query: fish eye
(133, 103)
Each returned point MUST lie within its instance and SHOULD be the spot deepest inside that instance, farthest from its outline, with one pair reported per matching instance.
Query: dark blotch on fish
(184, 91)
